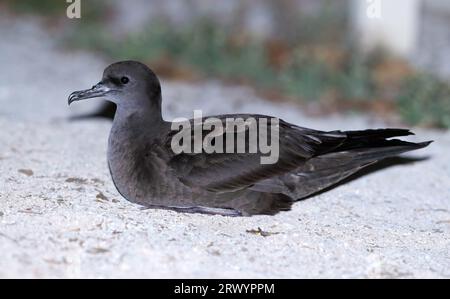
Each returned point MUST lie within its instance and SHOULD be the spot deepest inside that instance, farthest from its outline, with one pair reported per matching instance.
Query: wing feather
(225, 172)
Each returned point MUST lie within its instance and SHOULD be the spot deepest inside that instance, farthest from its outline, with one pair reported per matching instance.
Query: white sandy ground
(60, 215)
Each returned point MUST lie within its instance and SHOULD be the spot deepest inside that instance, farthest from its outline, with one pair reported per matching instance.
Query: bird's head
(128, 84)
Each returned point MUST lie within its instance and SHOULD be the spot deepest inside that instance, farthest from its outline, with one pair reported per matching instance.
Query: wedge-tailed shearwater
(146, 170)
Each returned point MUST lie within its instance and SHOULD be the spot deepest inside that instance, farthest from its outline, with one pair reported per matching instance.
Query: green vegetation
(426, 101)
(315, 61)
(312, 70)
(41, 7)
(213, 51)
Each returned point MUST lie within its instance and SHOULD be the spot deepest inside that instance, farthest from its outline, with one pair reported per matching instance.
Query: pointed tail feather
(369, 139)
(378, 133)
(326, 170)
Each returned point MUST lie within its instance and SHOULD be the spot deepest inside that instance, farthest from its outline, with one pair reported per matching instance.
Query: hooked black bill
(96, 91)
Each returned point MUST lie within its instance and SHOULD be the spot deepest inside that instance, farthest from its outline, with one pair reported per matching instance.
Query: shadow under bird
(146, 170)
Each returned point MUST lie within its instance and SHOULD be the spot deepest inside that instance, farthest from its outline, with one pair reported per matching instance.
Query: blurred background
(385, 58)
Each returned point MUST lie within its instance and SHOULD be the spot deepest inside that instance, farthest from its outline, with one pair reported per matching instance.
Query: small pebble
(27, 172)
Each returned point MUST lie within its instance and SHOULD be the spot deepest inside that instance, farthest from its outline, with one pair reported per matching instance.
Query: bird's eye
(124, 80)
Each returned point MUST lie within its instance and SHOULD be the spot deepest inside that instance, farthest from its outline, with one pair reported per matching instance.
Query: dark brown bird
(146, 170)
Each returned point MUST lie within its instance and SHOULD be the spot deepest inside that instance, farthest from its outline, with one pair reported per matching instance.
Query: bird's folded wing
(225, 172)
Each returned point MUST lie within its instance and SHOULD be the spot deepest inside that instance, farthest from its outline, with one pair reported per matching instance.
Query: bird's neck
(132, 134)
(136, 123)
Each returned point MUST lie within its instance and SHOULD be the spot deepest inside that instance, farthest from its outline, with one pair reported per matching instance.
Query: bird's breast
(140, 171)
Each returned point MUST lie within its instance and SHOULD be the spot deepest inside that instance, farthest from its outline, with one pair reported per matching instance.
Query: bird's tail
(361, 149)
(372, 145)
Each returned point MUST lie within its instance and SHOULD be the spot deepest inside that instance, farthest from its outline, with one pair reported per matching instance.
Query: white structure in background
(418, 30)
(392, 24)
